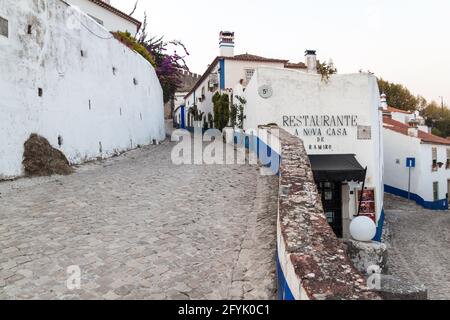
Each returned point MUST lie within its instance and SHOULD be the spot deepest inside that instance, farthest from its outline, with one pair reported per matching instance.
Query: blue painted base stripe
(432, 205)
(265, 153)
(284, 292)
(380, 227)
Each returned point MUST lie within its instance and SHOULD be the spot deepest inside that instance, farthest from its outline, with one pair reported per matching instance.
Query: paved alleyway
(140, 228)
(419, 245)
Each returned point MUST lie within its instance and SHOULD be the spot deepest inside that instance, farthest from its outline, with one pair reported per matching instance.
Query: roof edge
(118, 12)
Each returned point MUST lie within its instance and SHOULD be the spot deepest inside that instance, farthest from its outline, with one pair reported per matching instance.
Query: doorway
(331, 194)
(448, 191)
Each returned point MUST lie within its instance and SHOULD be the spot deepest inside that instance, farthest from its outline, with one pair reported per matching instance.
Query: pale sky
(403, 41)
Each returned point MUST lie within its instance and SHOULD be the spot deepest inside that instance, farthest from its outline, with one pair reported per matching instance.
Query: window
(202, 98)
(447, 165)
(4, 27)
(436, 191)
(249, 74)
(434, 155)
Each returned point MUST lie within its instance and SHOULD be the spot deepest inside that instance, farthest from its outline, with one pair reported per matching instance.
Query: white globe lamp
(363, 229)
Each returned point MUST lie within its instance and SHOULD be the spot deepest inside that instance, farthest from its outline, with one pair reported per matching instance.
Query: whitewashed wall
(400, 116)
(122, 114)
(398, 147)
(111, 21)
(234, 72)
(442, 175)
(300, 93)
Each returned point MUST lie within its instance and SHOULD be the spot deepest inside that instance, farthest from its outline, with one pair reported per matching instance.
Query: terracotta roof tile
(392, 109)
(299, 65)
(252, 57)
(402, 128)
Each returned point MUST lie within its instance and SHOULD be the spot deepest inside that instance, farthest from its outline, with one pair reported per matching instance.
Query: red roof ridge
(253, 57)
(402, 128)
(117, 12)
(392, 109)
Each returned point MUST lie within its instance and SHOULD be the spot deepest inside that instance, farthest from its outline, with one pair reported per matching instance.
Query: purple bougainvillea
(168, 65)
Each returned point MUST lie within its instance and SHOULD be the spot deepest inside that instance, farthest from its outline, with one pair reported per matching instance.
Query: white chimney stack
(413, 130)
(226, 44)
(383, 102)
(311, 61)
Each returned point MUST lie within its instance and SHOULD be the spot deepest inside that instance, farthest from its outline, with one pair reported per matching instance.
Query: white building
(230, 73)
(188, 81)
(74, 84)
(340, 122)
(409, 143)
(108, 16)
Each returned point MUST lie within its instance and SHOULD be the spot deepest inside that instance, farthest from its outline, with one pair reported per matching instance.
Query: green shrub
(127, 39)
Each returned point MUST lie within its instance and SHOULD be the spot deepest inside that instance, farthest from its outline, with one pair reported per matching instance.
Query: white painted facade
(106, 101)
(110, 20)
(302, 94)
(237, 73)
(400, 146)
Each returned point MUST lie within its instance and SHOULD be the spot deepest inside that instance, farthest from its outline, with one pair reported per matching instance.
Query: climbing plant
(240, 108)
(196, 113)
(127, 39)
(210, 120)
(326, 70)
(168, 62)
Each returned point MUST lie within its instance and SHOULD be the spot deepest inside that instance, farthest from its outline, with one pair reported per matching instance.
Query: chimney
(383, 102)
(413, 130)
(226, 44)
(311, 61)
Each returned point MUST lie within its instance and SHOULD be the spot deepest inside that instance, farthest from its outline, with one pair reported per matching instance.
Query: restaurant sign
(320, 127)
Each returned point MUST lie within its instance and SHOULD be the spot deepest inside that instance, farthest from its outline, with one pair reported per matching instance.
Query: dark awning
(336, 167)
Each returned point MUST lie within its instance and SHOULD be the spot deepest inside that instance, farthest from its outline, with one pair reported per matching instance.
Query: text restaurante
(321, 121)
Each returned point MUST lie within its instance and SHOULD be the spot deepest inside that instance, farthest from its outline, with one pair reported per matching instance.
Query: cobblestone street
(140, 227)
(419, 245)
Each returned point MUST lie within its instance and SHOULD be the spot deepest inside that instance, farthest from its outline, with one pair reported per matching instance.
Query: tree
(216, 109)
(436, 116)
(225, 109)
(221, 110)
(399, 96)
(168, 66)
